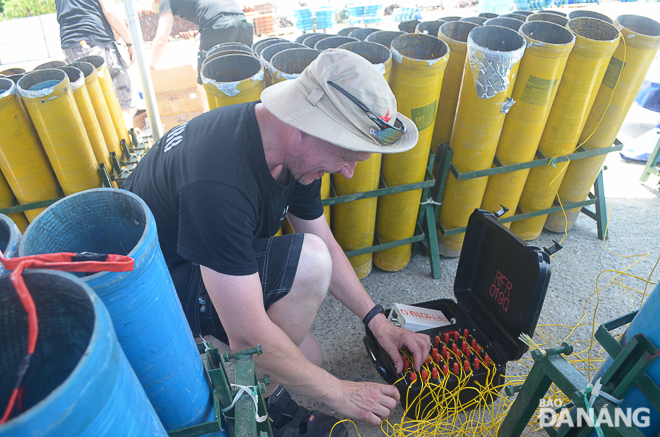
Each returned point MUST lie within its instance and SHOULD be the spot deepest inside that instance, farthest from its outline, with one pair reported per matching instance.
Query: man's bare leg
(295, 312)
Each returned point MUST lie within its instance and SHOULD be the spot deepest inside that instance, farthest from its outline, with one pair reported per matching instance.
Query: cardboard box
(170, 121)
(181, 101)
(181, 77)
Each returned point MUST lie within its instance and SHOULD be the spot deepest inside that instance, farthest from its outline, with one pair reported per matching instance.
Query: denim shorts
(277, 260)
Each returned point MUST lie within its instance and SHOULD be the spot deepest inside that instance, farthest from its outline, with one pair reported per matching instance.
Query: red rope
(71, 262)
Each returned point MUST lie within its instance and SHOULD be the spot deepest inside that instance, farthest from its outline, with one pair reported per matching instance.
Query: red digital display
(500, 290)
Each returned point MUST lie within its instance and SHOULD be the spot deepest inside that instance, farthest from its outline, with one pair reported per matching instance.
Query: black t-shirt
(82, 20)
(200, 12)
(208, 185)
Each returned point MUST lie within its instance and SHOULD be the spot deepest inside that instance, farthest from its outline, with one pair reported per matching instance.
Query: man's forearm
(345, 285)
(157, 53)
(286, 365)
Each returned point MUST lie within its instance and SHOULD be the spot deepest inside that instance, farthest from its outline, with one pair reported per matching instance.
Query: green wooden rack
(651, 165)
(428, 225)
(120, 170)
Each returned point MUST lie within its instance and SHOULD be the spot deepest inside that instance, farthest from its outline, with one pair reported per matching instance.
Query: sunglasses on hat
(387, 134)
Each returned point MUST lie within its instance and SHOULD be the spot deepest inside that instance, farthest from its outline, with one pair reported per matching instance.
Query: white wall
(29, 39)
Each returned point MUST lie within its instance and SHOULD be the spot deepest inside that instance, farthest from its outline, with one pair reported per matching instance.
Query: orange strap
(70, 262)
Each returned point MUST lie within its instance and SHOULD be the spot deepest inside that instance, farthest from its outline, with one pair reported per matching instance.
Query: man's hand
(366, 401)
(392, 338)
(131, 54)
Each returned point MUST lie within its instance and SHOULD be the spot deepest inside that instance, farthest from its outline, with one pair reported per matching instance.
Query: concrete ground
(584, 265)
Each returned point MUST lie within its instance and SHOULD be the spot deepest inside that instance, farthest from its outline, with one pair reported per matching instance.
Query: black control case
(500, 288)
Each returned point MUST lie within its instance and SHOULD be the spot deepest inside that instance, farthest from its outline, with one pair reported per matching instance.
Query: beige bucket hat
(309, 103)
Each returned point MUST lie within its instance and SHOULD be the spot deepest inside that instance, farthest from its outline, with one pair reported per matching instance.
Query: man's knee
(315, 265)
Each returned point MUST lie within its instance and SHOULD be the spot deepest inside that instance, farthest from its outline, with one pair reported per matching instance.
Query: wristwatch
(372, 313)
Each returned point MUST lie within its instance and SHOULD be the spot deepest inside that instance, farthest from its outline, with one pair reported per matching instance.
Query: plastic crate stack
(373, 14)
(323, 17)
(304, 19)
(365, 14)
(533, 5)
(405, 14)
(497, 6)
(575, 2)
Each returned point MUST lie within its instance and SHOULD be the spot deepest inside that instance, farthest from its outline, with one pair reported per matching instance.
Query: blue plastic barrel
(79, 382)
(145, 309)
(10, 237)
(645, 322)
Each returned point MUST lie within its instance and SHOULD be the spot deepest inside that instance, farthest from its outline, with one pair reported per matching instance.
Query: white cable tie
(596, 392)
(206, 345)
(250, 390)
(430, 201)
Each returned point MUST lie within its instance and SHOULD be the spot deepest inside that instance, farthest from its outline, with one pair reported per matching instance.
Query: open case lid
(501, 283)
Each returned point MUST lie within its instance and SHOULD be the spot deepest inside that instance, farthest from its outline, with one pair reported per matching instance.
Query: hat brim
(286, 102)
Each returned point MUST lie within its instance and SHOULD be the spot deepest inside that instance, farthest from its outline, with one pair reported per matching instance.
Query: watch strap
(372, 313)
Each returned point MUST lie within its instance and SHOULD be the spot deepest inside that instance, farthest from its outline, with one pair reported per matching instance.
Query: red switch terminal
(474, 344)
(456, 335)
(466, 366)
(446, 335)
(425, 375)
(428, 360)
(454, 348)
(476, 364)
(487, 360)
(456, 368)
(413, 378)
(445, 370)
(466, 332)
(406, 366)
(437, 341)
(444, 349)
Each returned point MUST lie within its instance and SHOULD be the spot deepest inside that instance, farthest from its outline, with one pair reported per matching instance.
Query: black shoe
(288, 419)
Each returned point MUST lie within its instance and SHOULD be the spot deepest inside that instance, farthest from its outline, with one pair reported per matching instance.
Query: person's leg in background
(121, 80)
(118, 68)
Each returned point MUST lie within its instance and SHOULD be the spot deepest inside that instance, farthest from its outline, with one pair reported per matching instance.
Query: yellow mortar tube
(595, 42)
(289, 63)
(269, 52)
(354, 223)
(6, 197)
(325, 193)
(550, 18)
(491, 66)
(418, 66)
(86, 109)
(455, 34)
(511, 23)
(379, 55)
(641, 39)
(47, 95)
(541, 68)
(430, 27)
(100, 107)
(231, 79)
(110, 97)
(22, 158)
